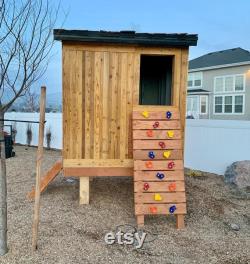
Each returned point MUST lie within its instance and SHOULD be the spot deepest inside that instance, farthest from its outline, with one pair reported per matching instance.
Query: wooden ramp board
(159, 186)
(47, 179)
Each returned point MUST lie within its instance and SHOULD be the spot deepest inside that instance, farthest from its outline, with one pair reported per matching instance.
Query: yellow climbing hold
(170, 133)
(157, 197)
(166, 154)
(145, 114)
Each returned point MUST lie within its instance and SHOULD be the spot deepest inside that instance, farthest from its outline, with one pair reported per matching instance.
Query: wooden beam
(180, 221)
(100, 171)
(84, 190)
(47, 178)
(114, 163)
(38, 168)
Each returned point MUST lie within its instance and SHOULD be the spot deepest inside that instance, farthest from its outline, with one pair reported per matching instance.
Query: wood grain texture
(160, 186)
(162, 209)
(154, 144)
(97, 171)
(178, 197)
(175, 154)
(157, 134)
(70, 163)
(47, 178)
(159, 115)
(177, 175)
(143, 124)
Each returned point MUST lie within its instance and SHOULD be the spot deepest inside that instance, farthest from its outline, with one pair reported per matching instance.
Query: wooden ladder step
(159, 186)
(47, 178)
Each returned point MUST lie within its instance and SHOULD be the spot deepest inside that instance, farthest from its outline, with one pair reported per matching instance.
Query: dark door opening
(155, 80)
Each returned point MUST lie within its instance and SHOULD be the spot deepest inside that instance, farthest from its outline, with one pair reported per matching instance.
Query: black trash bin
(8, 146)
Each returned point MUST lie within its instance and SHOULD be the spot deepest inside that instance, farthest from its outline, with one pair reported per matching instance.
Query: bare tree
(25, 45)
(31, 101)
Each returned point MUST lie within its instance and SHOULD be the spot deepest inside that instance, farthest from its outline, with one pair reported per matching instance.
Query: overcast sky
(221, 24)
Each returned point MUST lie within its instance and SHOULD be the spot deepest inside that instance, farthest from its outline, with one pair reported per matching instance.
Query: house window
(218, 103)
(239, 83)
(195, 79)
(238, 104)
(203, 104)
(229, 104)
(230, 83)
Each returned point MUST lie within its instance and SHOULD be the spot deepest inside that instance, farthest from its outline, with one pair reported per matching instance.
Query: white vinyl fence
(210, 145)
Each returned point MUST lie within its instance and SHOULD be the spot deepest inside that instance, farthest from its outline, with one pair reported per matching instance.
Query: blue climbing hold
(160, 175)
(168, 114)
(151, 155)
(172, 209)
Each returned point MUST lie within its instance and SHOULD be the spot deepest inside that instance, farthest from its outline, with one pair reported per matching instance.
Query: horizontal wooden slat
(99, 171)
(141, 209)
(155, 144)
(157, 165)
(159, 186)
(177, 197)
(156, 134)
(159, 115)
(143, 154)
(148, 124)
(148, 176)
(127, 163)
(151, 108)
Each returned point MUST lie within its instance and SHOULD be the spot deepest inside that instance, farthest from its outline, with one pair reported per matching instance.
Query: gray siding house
(219, 85)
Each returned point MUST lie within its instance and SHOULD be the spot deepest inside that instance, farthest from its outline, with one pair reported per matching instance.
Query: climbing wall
(158, 165)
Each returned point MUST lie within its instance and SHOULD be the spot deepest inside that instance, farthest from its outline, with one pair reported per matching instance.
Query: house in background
(219, 85)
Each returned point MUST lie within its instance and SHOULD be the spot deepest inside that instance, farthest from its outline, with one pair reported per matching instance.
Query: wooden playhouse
(124, 104)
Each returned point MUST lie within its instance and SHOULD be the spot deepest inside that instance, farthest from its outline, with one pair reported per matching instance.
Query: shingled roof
(223, 57)
(126, 37)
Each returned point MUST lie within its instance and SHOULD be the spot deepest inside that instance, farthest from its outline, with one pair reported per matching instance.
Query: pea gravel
(70, 233)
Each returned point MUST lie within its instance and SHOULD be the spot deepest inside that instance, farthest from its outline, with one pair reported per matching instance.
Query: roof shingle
(230, 56)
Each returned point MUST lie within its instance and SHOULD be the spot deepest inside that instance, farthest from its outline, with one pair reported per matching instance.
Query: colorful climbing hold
(145, 186)
(162, 144)
(151, 155)
(160, 175)
(172, 187)
(150, 133)
(168, 114)
(153, 209)
(166, 154)
(157, 197)
(172, 209)
(149, 164)
(156, 124)
(170, 133)
(145, 114)
(171, 165)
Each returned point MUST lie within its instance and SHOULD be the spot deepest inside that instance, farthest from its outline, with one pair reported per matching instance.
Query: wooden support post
(140, 220)
(84, 190)
(38, 168)
(180, 221)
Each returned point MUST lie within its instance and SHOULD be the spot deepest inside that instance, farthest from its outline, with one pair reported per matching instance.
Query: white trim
(234, 77)
(206, 96)
(233, 104)
(193, 86)
(220, 66)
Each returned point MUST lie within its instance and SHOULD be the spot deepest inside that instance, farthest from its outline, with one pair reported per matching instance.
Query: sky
(221, 24)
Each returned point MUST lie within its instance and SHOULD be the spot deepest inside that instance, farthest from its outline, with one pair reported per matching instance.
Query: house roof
(127, 37)
(223, 57)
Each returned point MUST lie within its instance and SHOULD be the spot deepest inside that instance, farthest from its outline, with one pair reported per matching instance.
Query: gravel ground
(70, 233)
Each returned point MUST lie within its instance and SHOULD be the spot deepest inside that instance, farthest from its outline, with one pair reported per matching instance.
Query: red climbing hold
(171, 165)
(145, 186)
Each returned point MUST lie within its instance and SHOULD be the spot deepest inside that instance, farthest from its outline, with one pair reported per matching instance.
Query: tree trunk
(3, 191)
